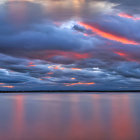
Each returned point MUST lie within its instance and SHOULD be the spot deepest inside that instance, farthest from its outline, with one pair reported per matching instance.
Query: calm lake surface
(107, 116)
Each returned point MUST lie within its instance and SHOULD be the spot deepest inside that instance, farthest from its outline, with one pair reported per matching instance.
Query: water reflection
(123, 119)
(70, 117)
(18, 118)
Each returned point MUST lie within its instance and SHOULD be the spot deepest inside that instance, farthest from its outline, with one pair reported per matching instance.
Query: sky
(69, 45)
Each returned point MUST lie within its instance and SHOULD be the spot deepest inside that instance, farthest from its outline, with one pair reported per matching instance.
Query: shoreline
(70, 91)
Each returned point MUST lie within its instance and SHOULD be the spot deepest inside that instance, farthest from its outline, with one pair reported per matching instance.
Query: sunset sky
(70, 45)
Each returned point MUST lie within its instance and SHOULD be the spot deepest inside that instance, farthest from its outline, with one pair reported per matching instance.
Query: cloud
(41, 50)
(108, 35)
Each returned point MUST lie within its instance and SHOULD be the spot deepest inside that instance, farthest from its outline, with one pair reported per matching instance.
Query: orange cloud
(124, 15)
(109, 35)
(56, 67)
(75, 68)
(127, 56)
(73, 78)
(79, 83)
(66, 54)
(8, 86)
(1, 83)
(47, 77)
(121, 54)
(50, 73)
(31, 64)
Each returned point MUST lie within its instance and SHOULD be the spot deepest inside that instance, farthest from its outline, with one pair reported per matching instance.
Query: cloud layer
(56, 45)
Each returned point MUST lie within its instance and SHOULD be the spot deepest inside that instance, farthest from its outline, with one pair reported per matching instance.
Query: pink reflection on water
(122, 119)
(18, 121)
(68, 117)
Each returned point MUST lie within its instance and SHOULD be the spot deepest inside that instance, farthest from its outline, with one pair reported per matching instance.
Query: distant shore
(70, 91)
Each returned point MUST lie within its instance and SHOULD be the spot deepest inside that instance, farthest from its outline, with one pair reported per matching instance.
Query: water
(110, 116)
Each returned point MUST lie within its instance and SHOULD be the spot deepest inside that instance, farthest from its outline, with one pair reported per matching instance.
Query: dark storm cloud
(117, 74)
(34, 42)
(27, 32)
(10, 77)
(23, 66)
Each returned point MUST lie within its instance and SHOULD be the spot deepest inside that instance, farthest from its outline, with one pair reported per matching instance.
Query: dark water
(70, 116)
